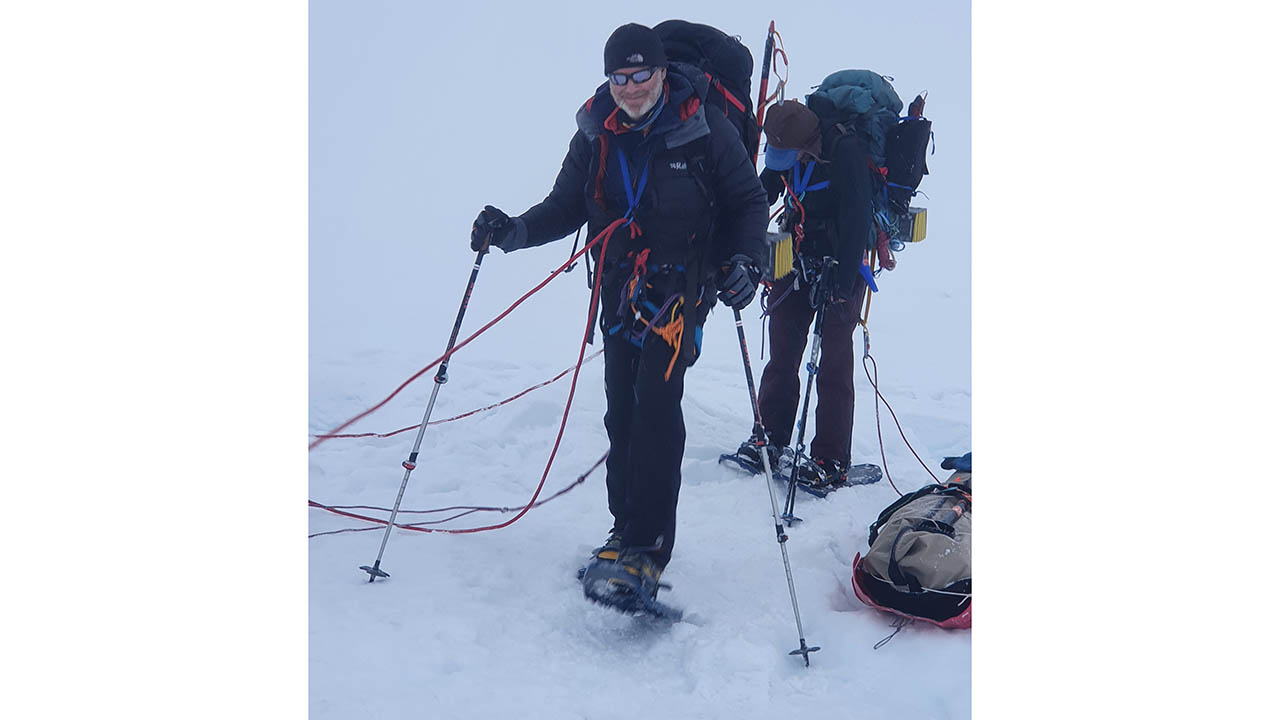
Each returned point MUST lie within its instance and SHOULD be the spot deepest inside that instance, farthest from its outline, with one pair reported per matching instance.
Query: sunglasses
(638, 77)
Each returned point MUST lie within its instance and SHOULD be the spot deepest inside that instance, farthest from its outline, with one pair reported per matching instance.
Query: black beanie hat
(633, 45)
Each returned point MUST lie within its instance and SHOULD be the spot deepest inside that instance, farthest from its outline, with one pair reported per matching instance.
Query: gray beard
(644, 109)
(648, 105)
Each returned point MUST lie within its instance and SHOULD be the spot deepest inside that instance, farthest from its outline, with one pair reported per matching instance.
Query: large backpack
(727, 64)
(864, 102)
(920, 562)
(861, 100)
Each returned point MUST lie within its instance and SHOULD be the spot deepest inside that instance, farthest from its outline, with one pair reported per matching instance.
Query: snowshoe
(821, 477)
(629, 584)
(860, 474)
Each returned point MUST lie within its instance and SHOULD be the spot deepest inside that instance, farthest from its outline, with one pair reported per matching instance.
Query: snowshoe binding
(748, 458)
(628, 583)
(608, 551)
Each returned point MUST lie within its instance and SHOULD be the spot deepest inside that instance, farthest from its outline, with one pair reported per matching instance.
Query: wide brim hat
(791, 129)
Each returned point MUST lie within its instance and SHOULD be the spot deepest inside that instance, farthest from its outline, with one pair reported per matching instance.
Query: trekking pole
(442, 377)
(759, 433)
(823, 285)
(573, 264)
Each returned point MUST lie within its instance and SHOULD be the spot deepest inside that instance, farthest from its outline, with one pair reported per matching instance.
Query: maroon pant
(781, 383)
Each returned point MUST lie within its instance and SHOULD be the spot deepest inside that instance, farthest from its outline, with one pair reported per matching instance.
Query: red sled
(964, 620)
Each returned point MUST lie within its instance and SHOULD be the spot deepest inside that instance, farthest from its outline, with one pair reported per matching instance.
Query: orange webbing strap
(673, 333)
(782, 81)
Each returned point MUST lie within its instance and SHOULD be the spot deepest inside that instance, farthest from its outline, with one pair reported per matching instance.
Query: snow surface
(411, 133)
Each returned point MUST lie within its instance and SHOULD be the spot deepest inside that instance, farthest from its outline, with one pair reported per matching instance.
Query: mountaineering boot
(830, 472)
(748, 456)
(641, 566)
(608, 551)
(628, 584)
(808, 473)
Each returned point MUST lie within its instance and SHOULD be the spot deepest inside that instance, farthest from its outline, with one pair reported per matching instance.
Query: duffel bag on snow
(920, 562)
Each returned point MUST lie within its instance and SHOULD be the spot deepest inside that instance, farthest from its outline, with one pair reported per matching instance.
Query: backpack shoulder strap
(698, 157)
(599, 161)
(697, 154)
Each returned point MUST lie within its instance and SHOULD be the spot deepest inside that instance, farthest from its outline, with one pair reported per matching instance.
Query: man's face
(636, 99)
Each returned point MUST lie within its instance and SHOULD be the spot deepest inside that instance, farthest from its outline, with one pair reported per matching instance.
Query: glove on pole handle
(442, 376)
(822, 292)
(762, 438)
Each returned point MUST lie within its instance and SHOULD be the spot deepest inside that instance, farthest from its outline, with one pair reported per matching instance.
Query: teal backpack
(863, 99)
(864, 102)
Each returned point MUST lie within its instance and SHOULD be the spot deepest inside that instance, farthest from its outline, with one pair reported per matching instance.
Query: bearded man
(647, 152)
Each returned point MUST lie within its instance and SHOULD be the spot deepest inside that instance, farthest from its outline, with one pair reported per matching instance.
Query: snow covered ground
(411, 134)
(462, 614)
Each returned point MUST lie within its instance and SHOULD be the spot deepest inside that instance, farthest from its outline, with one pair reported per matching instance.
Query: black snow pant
(646, 442)
(780, 384)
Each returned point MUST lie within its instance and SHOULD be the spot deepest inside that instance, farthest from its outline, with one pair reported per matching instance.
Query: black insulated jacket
(701, 201)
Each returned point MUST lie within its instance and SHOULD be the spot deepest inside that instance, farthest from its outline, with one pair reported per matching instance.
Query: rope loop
(898, 624)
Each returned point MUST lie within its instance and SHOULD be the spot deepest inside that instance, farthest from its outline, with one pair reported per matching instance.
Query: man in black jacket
(647, 153)
(826, 183)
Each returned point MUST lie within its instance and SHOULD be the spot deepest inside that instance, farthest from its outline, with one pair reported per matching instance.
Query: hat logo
(635, 58)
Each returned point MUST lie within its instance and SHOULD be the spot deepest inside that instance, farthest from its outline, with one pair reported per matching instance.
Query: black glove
(503, 232)
(963, 463)
(771, 181)
(738, 282)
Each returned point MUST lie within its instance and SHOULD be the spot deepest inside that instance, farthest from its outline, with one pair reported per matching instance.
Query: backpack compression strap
(728, 96)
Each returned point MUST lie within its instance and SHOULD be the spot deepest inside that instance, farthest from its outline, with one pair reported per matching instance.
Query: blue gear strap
(633, 194)
(800, 185)
(865, 270)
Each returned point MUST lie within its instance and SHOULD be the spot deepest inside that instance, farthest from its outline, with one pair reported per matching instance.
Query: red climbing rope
(500, 403)
(467, 509)
(554, 274)
(573, 386)
(875, 385)
(603, 238)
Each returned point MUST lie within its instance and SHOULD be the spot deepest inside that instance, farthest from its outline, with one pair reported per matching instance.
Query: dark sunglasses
(637, 77)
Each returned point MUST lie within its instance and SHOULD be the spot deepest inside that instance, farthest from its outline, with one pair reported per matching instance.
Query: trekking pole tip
(374, 572)
(805, 651)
